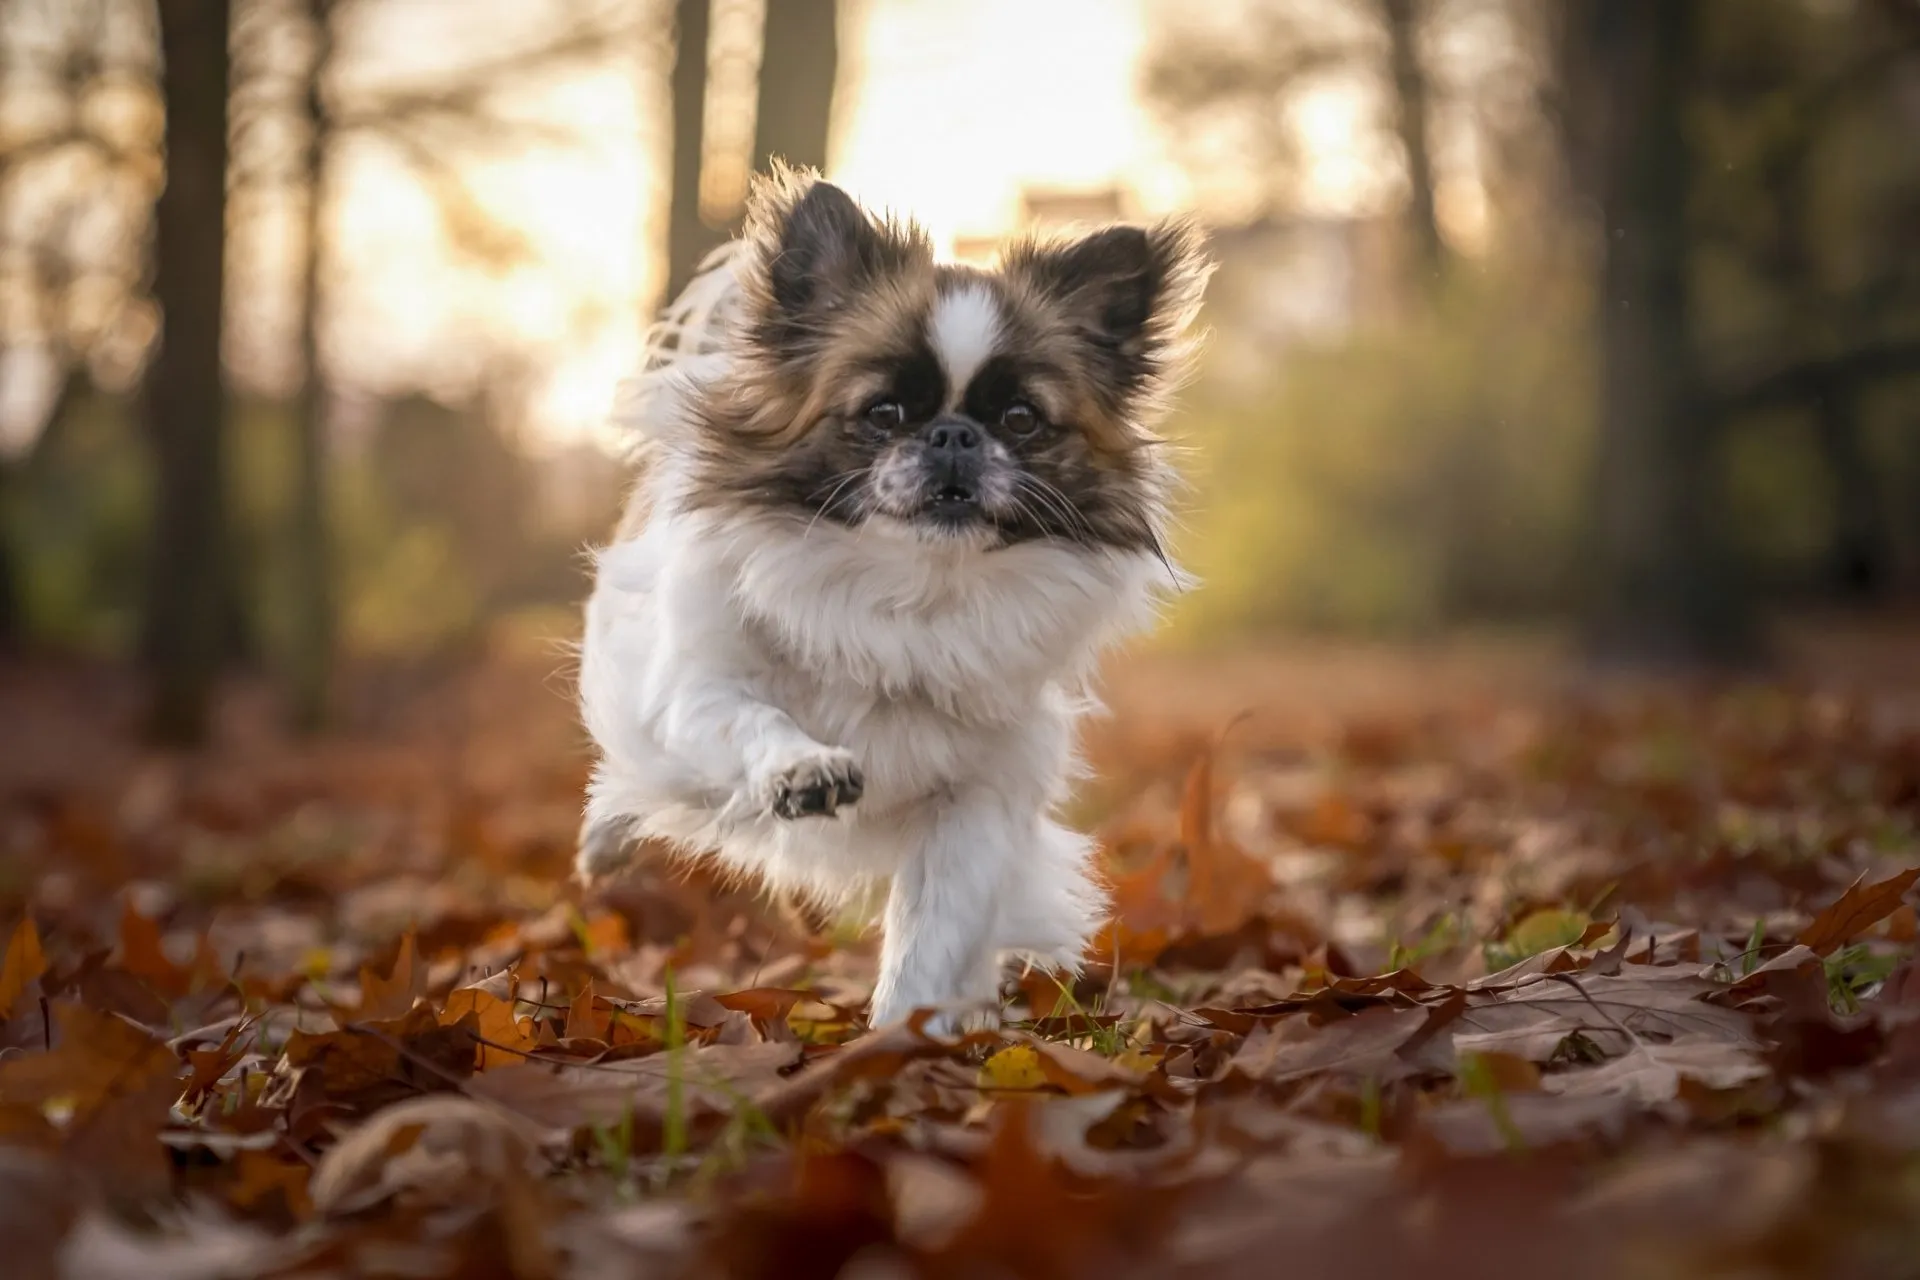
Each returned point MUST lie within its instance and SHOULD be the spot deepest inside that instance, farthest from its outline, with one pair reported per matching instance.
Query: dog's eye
(1020, 418)
(888, 415)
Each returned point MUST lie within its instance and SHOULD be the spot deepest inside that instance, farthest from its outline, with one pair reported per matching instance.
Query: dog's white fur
(727, 654)
(964, 331)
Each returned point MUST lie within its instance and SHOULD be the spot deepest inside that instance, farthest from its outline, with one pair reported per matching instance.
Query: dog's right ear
(813, 249)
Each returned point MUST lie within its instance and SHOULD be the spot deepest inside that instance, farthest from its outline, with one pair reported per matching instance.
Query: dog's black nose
(953, 435)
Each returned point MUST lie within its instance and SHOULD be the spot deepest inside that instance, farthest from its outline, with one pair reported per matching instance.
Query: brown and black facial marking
(817, 256)
(911, 377)
(1117, 303)
(839, 317)
(823, 472)
(1066, 488)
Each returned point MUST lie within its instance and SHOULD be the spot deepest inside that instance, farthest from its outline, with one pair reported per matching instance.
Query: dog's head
(876, 388)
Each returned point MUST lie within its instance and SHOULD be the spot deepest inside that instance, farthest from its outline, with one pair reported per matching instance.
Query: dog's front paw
(818, 784)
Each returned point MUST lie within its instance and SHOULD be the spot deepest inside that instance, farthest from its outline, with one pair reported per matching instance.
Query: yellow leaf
(1015, 1067)
(1544, 930)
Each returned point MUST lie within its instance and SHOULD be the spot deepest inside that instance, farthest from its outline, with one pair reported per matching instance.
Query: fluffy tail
(687, 346)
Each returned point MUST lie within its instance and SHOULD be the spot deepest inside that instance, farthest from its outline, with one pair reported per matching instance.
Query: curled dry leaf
(1858, 909)
(447, 1150)
(384, 999)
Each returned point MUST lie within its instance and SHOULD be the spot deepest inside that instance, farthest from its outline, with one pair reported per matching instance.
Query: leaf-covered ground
(1431, 962)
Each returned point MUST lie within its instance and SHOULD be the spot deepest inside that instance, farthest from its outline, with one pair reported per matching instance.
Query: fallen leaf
(1225, 885)
(366, 1064)
(96, 1057)
(384, 999)
(446, 1150)
(1514, 1123)
(1076, 1071)
(1015, 1067)
(1364, 1044)
(197, 1244)
(835, 1211)
(764, 1004)
(1858, 909)
(1037, 1218)
(1650, 1074)
(260, 1178)
(1664, 1002)
(504, 1037)
(39, 1200)
(143, 955)
(207, 1066)
(1506, 1072)
(24, 964)
(706, 1083)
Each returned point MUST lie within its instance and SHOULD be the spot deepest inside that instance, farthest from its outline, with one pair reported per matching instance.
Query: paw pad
(818, 788)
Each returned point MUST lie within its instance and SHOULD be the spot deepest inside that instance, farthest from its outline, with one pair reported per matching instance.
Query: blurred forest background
(1595, 314)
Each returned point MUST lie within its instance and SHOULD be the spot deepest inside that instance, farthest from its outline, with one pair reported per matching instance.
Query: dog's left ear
(1131, 291)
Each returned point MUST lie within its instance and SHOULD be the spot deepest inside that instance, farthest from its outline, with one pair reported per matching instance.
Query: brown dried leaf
(1364, 1044)
(504, 1037)
(383, 999)
(96, 1056)
(260, 1179)
(1036, 1218)
(1858, 909)
(1662, 1002)
(367, 1063)
(442, 1150)
(24, 964)
(1650, 1074)
(764, 1004)
(710, 1081)
(143, 955)
(1225, 886)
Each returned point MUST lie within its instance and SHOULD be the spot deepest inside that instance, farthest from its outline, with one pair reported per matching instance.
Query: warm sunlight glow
(955, 108)
(947, 110)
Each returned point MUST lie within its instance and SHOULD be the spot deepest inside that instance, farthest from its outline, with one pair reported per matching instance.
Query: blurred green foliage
(440, 528)
(1430, 472)
(1413, 475)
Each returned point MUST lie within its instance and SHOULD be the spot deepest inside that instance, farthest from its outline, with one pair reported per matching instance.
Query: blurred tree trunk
(689, 238)
(12, 621)
(1422, 270)
(798, 68)
(314, 629)
(1412, 110)
(1860, 550)
(12, 609)
(189, 579)
(1661, 586)
(1859, 559)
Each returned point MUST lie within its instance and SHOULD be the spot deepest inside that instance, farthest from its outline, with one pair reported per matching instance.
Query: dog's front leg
(714, 737)
(939, 948)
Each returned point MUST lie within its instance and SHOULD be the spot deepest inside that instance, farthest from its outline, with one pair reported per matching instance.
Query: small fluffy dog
(890, 511)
